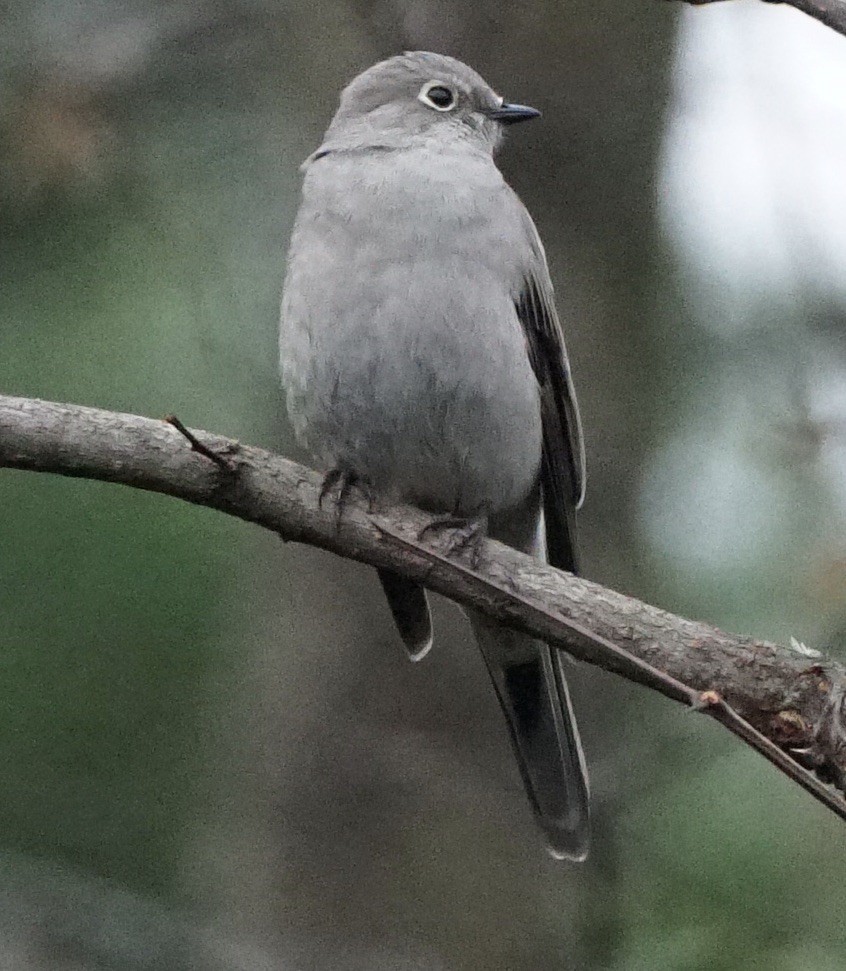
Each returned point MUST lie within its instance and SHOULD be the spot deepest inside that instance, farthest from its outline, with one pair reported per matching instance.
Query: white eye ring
(426, 98)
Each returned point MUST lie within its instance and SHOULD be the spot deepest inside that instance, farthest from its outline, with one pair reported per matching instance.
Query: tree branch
(832, 13)
(785, 703)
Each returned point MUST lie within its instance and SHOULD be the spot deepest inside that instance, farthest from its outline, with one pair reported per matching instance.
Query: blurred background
(214, 753)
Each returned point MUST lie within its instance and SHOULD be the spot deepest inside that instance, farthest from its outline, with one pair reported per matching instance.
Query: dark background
(214, 753)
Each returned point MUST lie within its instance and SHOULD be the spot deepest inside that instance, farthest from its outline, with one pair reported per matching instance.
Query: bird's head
(420, 95)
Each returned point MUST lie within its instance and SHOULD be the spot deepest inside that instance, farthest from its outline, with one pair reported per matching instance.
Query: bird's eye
(437, 96)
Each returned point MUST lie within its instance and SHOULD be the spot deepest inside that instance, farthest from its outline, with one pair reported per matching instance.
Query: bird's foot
(465, 535)
(343, 482)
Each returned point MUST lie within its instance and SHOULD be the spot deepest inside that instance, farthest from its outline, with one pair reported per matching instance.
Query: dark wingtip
(410, 610)
(417, 650)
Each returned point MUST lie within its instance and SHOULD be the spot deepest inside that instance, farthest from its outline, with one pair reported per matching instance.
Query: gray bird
(422, 355)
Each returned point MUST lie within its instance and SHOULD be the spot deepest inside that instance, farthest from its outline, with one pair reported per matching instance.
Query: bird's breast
(401, 348)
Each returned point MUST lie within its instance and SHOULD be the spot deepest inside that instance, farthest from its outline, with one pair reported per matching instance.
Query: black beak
(510, 114)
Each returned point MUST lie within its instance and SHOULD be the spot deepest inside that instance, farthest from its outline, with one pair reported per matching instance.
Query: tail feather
(529, 682)
(532, 691)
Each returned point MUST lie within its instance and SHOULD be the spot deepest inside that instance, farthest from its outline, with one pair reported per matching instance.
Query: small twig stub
(197, 445)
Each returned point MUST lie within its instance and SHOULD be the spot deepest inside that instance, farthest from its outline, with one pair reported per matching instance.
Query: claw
(330, 480)
(345, 482)
(465, 534)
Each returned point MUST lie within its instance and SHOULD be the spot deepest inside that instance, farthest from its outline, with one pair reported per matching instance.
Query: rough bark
(788, 703)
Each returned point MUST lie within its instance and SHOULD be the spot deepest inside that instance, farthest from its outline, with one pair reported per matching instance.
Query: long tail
(532, 691)
(529, 681)
(530, 684)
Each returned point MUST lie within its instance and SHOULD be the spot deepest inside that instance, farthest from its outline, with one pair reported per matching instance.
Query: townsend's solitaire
(422, 355)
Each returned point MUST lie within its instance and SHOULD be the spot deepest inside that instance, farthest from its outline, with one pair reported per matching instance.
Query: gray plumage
(421, 351)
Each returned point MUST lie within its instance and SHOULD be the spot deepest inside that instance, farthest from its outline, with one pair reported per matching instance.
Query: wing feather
(563, 461)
